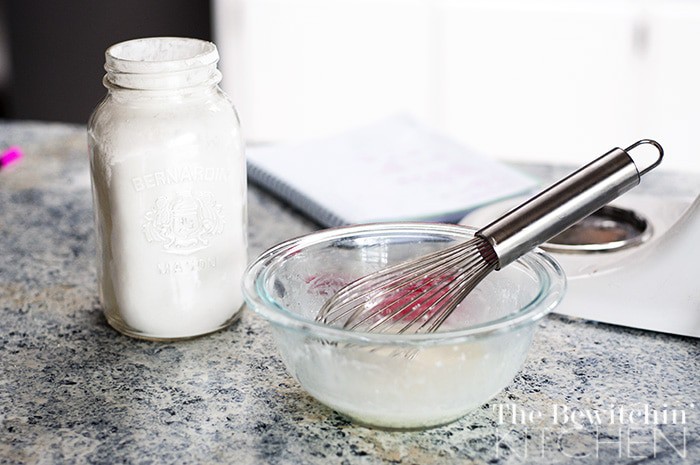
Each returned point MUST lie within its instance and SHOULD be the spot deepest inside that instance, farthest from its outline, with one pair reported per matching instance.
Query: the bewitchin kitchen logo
(610, 433)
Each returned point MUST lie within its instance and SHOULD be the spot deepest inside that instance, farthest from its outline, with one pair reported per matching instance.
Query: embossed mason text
(186, 266)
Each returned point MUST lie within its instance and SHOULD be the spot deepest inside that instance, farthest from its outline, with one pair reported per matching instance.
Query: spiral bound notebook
(393, 170)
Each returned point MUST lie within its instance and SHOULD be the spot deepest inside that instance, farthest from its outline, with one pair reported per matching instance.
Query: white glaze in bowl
(398, 381)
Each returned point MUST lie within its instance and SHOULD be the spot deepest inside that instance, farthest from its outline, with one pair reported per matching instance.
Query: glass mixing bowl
(398, 381)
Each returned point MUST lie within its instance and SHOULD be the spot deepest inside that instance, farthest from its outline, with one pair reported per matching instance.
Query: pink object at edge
(9, 156)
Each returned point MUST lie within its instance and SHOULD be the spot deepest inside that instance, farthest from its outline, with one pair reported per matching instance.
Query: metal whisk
(420, 294)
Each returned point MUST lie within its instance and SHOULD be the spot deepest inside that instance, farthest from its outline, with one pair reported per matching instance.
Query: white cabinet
(539, 80)
(671, 102)
(302, 68)
(547, 80)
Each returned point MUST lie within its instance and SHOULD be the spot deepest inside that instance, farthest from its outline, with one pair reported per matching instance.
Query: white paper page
(393, 170)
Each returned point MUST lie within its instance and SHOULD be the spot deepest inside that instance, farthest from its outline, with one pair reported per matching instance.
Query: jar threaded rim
(156, 63)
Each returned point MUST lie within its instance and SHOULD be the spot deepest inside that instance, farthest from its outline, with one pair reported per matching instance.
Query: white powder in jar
(169, 187)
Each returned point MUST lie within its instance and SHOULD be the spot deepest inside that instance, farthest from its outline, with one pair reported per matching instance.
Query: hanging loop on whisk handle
(566, 202)
(658, 155)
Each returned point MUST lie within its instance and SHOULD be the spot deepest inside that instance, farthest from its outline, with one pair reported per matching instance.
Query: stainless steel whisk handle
(566, 202)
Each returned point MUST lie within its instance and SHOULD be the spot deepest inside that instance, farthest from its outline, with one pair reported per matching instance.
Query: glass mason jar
(169, 191)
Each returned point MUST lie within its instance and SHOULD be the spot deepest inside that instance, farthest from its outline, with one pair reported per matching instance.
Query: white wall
(541, 80)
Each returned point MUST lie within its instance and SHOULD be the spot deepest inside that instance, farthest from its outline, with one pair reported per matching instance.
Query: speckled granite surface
(72, 390)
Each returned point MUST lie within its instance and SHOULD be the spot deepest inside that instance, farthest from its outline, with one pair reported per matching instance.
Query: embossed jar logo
(185, 222)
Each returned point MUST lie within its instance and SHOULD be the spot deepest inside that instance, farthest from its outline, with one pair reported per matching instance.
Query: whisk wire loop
(418, 294)
(346, 299)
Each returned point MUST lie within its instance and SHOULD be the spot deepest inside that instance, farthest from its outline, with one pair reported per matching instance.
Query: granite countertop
(73, 390)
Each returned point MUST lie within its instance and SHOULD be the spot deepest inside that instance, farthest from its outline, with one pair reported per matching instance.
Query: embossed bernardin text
(186, 266)
(180, 175)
